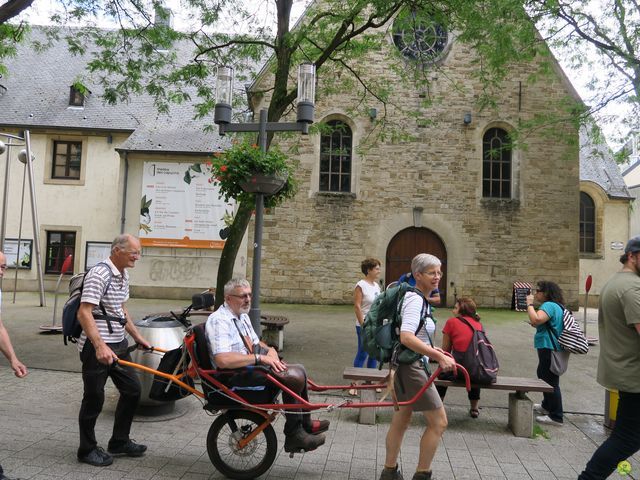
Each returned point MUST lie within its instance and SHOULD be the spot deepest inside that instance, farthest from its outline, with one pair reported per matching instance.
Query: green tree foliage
(602, 40)
(140, 55)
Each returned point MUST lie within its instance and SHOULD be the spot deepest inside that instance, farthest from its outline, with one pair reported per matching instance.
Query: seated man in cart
(234, 344)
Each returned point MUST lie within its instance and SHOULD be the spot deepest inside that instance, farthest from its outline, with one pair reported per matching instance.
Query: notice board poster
(179, 207)
(18, 258)
(96, 252)
(519, 296)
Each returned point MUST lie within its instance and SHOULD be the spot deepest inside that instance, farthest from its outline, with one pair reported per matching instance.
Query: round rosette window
(419, 36)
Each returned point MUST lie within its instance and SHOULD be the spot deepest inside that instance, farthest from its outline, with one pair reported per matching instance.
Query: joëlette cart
(241, 441)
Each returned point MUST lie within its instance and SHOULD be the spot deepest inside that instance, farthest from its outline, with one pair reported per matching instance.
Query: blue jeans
(361, 355)
(552, 401)
(623, 442)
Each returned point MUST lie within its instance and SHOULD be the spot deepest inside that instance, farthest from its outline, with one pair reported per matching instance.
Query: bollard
(610, 407)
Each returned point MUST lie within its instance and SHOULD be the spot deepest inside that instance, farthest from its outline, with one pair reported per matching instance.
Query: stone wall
(313, 245)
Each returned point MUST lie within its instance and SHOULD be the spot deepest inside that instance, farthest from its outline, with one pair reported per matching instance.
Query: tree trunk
(231, 247)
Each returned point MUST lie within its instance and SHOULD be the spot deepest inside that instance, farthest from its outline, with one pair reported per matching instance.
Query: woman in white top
(409, 379)
(364, 294)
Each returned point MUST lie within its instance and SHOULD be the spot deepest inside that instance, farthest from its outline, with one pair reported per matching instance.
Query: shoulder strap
(425, 306)
(105, 316)
(244, 340)
(466, 322)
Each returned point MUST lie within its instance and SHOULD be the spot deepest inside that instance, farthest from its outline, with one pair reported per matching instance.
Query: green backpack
(381, 329)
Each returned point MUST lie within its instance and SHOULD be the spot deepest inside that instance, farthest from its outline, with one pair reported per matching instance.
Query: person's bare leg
(436, 425)
(399, 423)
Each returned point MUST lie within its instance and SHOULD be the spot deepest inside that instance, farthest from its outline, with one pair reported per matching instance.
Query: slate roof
(37, 96)
(597, 165)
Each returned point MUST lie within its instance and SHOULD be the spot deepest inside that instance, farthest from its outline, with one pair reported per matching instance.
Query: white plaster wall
(615, 230)
(91, 206)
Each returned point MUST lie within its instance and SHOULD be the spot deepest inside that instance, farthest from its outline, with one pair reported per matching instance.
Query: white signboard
(95, 253)
(12, 254)
(180, 206)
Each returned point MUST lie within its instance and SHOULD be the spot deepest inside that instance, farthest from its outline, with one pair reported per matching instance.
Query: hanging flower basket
(263, 183)
(243, 170)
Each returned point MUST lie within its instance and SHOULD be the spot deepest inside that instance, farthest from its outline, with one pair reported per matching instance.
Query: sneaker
(547, 420)
(301, 441)
(317, 426)
(96, 457)
(391, 474)
(537, 408)
(130, 449)
(422, 476)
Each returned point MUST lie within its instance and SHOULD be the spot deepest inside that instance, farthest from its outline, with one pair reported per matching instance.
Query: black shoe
(317, 426)
(96, 457)
(391, 474)
(301, 441)
(130, 449)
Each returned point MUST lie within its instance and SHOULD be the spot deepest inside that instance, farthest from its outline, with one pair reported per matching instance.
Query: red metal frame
(209, 376)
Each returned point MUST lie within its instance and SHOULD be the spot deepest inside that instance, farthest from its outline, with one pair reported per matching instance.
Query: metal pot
(163, 331)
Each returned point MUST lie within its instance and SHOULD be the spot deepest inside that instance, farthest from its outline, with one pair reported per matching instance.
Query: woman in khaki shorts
(410, 378)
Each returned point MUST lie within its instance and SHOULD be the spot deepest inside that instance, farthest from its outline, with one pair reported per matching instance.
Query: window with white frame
(336, 157)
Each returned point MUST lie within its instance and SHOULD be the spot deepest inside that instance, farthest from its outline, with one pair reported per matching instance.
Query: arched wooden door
(407, 244)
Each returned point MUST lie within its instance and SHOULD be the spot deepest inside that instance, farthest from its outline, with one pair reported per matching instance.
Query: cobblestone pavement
(38, 440)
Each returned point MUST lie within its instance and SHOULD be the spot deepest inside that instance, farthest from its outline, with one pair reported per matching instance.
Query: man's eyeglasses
(244, 297)
(134, 253)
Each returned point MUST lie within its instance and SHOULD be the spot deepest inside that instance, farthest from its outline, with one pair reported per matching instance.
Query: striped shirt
(223, 336)
(413, 307)
(95, 282)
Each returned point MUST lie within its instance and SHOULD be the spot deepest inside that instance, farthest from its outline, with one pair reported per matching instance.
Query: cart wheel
(241, 463)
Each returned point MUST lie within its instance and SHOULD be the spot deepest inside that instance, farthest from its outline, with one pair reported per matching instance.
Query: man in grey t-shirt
(105, 320)
(619, 362)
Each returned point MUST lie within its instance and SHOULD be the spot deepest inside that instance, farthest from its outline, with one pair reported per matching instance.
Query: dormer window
(76, 97)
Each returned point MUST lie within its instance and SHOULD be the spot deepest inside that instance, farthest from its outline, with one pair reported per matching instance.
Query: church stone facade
(432, 192)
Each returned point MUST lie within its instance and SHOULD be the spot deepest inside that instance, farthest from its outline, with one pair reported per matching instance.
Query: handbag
(559, 361)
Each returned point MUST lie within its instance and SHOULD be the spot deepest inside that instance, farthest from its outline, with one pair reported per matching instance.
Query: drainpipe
(123, 216)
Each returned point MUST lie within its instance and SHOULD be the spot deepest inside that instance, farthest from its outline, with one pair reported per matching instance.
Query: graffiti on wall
(176, 270)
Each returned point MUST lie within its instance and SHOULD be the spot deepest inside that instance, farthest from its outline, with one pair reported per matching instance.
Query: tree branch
(13, 8)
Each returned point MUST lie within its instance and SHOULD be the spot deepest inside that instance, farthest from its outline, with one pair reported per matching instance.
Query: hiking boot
(391, 474)
(130, 449)
(422, 476)
(547, 420)
(96, 457)
(537, 409)
(317, 426)
(301, 441)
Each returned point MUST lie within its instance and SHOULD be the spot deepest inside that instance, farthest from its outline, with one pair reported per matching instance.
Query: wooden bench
(520, 406)
(273, 332)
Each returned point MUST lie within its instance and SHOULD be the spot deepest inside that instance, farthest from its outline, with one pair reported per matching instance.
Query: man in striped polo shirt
(105, 320)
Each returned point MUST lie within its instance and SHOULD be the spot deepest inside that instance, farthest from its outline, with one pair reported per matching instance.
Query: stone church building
(493, 214)
(447, 180)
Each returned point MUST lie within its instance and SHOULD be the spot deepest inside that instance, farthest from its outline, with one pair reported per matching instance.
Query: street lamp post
(222, 118)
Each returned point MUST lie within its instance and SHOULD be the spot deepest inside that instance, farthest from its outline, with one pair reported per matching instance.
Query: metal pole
(34, 218)
(3, 221)
(254, 313)
(15, 282)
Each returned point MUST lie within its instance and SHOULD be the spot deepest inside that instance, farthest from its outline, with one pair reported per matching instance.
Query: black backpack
(479, 358)
(71, 328)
